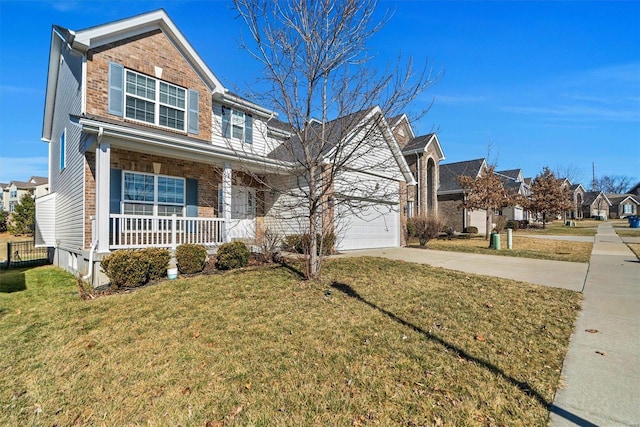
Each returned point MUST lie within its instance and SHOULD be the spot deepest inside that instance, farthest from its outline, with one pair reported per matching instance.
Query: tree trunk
(544, 220)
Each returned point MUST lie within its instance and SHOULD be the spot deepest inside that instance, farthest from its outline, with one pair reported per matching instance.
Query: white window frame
(155, 203)
(627, 209)
(156, 101)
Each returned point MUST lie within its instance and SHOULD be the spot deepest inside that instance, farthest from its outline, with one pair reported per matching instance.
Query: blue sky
(543, 83)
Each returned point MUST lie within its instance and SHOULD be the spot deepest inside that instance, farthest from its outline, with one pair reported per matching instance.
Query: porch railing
(143, 231)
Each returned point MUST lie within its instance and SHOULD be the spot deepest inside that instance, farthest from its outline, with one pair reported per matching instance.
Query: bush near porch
(376, 342)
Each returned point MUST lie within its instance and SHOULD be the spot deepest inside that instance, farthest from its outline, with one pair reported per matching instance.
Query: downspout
(95, 241)
(418, 187)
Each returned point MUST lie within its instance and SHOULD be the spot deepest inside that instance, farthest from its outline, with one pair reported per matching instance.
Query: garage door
(374, 226)
(479, 219)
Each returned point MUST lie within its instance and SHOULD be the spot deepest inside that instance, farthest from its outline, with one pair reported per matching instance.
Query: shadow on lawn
(523, 386)
(12, 282)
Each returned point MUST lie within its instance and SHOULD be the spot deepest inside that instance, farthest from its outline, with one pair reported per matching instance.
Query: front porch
(141, 231)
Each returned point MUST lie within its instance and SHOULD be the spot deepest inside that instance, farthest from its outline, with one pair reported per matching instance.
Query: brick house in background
(451, 195)
(595, 205)
(148, 148)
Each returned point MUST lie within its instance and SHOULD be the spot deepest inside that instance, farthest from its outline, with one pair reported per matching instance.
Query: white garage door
(376, 226)
(479, 219)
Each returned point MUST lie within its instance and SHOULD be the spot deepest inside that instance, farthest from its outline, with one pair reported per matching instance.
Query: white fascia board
(170, 143)
(130, 27)
(434, 139)
(55, 50)
(238, 102)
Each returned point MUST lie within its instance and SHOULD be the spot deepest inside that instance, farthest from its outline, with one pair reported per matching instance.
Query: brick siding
(143, 53)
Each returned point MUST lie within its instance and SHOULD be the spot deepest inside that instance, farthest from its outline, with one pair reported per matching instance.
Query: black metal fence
(25, 254)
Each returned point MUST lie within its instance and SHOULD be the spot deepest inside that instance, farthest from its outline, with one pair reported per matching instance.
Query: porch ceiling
(142, 139)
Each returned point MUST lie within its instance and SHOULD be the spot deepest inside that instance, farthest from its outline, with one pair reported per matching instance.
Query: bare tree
(485, 191)
(317, 67)
(549, 196)
(614, 184)
(572, 172)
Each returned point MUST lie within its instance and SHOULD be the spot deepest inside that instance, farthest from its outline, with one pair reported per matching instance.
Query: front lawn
(621, 226)
(523, 246)
(587, 227)
(377, 342)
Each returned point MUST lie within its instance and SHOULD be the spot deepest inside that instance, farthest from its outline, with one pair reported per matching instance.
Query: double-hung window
(627, 209)
(237, 124)
(154, 101)
(147, 194)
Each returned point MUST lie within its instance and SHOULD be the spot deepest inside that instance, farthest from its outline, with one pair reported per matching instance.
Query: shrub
(471, 230)
(126, 268)
(501, 223)
(300, 243)
(157, 260)
(291, 242)
(426, 227)
(269, 243)
(191, 258)
(513, 224)
(524, 224)
(232, 255)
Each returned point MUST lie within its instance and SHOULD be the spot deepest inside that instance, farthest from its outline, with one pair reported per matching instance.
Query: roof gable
(82, 41)
(421, 144)
(100, 35)
(449, 173)
(338, 132)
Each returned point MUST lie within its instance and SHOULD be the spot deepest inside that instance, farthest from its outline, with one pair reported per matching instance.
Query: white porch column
(226, 201)
(103, 191)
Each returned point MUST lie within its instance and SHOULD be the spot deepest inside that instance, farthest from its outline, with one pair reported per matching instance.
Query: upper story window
(139, 97)
(154, 101)
(13, 194)
(237, 125)
(63, 149)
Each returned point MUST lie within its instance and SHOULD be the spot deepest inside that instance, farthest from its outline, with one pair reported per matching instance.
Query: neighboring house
(577, 197)
(595, 205)
(423, 155)
(514, 183)
(2, 196)
(451, 195)
(148, 148)
(36, 187)
(623, 205)
(635, 190)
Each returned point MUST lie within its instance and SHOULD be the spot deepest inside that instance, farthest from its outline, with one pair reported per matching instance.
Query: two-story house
(148, 148)
(36, 186)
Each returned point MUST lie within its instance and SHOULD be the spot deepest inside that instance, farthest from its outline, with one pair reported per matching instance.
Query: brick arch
(431, 185)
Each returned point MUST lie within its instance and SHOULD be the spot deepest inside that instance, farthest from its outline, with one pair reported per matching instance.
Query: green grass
(523, 246)
(585, 227)
(621, 227)
(377, 342)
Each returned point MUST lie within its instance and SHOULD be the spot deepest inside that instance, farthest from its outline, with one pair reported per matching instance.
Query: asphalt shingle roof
(450, 172)
(419, 142)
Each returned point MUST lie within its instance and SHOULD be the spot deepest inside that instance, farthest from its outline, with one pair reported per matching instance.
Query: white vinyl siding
(46, 221)
(69, 211)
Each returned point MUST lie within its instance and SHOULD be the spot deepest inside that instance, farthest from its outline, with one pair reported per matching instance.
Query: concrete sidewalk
(559, 274)
(601, 372)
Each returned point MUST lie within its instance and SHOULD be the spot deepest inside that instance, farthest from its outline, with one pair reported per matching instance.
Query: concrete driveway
(559, 274)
